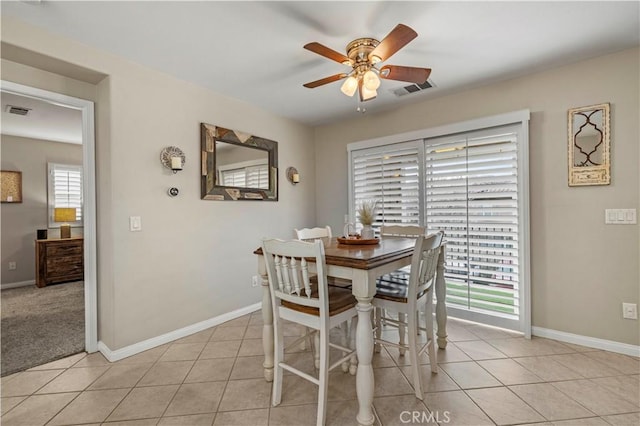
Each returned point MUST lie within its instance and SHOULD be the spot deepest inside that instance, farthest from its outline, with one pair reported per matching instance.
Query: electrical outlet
(630, 311)
(255, 281)
(12, 266)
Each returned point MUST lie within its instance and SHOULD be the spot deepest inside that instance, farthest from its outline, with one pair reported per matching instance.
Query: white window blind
(235, 177)
(65, 190)
(390, 175)
(472, 194)
(256, 176)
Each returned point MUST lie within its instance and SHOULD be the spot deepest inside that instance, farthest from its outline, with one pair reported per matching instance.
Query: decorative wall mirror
(237, 165)
(589, 145)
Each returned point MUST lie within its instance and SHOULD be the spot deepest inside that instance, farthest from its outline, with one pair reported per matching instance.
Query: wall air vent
(413, 88)
(17, 110)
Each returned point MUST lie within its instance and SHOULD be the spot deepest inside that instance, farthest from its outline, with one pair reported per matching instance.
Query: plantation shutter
(258, 176)
(247, 177)
(390, 175)
(65, 189)
(472, 194)
(234, 178)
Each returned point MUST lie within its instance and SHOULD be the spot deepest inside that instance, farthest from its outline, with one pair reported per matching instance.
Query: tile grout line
(34, 393)
(133, 387)
(395, 363)
(187, 375)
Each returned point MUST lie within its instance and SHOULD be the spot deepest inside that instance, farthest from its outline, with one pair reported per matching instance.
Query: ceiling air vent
(413, 88)
(17, 110)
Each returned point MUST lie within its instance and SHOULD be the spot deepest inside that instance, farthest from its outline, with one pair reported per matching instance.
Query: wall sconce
(172, 158)
(292, 175)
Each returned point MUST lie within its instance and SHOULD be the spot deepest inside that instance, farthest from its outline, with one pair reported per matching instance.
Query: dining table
(362, 264)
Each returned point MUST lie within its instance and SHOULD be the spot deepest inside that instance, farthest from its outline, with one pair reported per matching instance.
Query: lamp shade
(370, 80)
(349, 86)
(64, 214)
(367, 94)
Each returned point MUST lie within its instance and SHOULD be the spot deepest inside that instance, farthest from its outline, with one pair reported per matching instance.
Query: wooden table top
(366, 256)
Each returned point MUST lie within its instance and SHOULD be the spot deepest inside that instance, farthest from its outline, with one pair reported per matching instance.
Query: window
(472, 184)
(390, 175)
(248, 174)
(472, 194)
(64, 190)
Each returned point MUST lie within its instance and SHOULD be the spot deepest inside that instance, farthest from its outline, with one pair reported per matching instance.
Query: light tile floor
(486, 376)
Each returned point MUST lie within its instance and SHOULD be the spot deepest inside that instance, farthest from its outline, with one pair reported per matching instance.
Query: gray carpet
(40, 325)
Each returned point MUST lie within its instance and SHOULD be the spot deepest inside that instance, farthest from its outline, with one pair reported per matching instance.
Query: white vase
(367, 232)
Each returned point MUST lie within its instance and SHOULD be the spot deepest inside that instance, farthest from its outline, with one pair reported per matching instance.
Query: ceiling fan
(362, 55)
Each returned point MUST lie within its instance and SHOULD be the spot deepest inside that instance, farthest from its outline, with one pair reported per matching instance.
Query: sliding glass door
(471, 191)
(473, 186)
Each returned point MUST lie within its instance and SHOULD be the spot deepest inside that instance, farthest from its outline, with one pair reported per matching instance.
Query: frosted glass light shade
(349, 86)
(367, 94)
(370, 80)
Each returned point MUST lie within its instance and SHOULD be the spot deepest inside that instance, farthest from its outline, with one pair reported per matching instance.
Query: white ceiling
(44, 121)
(253, 51)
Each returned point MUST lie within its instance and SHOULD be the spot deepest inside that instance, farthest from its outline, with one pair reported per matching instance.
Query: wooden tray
(358, 241)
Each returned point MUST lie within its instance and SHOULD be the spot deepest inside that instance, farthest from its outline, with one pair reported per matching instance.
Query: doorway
(86, 110)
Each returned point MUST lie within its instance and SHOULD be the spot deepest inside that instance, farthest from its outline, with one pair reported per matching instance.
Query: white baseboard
(591, 342)
(127, 351)
(18, 284)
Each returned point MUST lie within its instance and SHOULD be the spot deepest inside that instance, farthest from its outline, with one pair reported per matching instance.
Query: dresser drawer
(61, 250)
(60, 266)
(59, 260)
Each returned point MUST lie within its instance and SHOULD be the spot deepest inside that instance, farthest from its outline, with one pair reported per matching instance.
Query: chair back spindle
(286, 261)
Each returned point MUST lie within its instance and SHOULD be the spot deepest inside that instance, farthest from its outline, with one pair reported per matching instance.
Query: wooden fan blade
(325, 80)
(410, 74)
(394, 41)
(327, 53)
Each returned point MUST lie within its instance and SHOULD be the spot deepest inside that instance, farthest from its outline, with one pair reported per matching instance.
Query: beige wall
(20, 221)
(582, 270)
(193, 259)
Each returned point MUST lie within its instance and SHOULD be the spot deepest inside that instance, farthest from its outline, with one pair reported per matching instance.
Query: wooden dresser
(59, 260)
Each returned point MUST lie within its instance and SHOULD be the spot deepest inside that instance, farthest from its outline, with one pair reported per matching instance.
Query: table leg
(441, 307)
(267, 330)
(364, 349)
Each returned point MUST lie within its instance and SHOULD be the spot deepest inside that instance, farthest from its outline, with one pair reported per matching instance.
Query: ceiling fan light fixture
(349, 86)
(367, 93)
(370, 80)
(362, 55)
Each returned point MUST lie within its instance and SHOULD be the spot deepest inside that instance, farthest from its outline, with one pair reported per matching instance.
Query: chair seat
(340, 300)
(334, 282)
(394, 287)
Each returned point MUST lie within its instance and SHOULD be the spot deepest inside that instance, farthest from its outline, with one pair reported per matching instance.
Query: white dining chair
(309, 233)
(325, 232)
(399, 277)
(409, 299)
(313, 304)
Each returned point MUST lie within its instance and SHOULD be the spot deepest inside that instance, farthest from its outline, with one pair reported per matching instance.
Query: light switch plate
(135, 224)
(620, 216)
(630, 311)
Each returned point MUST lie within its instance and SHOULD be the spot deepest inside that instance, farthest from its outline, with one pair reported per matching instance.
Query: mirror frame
(597, 174)
(210, 190)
